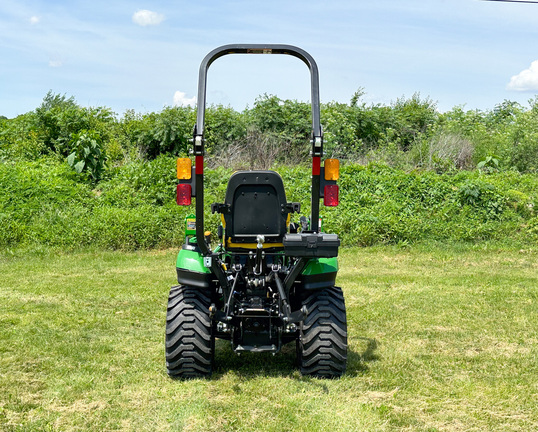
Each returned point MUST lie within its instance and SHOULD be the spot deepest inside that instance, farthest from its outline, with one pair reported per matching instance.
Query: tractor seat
(255, 204)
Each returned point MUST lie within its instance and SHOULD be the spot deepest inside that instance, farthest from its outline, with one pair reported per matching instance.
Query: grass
(441, 338)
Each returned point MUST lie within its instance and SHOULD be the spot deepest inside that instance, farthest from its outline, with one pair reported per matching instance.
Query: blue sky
(144, 55)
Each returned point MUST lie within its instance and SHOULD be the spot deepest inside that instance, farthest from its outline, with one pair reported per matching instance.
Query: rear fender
(191, 270)
(319, 273)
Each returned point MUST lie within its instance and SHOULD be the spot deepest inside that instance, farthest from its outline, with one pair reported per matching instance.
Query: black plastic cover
(194, 279)
(318, 281)
(318, 245)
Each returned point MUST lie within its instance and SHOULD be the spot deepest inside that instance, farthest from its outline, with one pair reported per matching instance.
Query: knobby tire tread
(322, 347)
(189, 343)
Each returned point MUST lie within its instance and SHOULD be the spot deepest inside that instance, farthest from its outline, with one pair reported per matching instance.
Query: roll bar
(198, 141)
(257, 49)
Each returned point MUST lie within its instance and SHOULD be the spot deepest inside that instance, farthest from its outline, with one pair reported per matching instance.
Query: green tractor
(268, 282)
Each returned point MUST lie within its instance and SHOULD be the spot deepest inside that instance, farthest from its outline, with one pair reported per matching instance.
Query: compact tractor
(268, 281)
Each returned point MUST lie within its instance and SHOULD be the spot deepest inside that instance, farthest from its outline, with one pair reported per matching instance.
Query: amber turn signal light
(184, 168)
(332, 169)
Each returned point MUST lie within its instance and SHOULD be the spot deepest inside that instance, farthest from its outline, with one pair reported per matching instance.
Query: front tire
(322, 344)
(189, 343)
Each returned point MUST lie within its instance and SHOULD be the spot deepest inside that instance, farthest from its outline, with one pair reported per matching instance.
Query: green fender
(319, 273)
(191, 270)
(318, 266)
(191, 260)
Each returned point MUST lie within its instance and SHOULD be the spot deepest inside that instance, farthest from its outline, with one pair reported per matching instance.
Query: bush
(340, 137)
(409, 133)
(59, 118)
(288, 124)
(141, 183)
(224, 127)
(168, 132)
(87, 154)
(45, 203)
(524, 156)
(414, 186)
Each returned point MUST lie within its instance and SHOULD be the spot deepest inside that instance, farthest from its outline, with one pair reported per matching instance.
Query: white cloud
(526, 80)
(55, 63)
(147, 18)
(181, 99)
(34, 19)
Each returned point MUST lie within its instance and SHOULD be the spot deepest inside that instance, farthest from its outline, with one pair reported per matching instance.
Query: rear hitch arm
(289, 316)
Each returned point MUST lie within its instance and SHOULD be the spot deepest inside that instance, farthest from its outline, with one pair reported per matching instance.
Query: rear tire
(189, 343)
(322, 343)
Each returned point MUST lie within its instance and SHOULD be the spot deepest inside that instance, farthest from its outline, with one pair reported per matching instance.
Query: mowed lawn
(441, 338)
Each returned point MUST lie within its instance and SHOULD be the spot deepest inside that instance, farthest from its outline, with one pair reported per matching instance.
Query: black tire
(189, 342)
(322, 343)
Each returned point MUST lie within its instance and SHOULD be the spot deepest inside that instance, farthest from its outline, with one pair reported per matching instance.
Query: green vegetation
(441, 309)
(76, 176)
(409, 133)
(441, 338)
(47, 203)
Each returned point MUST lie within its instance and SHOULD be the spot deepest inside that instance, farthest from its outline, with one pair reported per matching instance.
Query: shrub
(18, 140)
(141, 183)
(87, 154)
(224, 127)
(58, 118)
(482, 197)
(524, 153)
(340, 139)
(288, 123)
(167, 132)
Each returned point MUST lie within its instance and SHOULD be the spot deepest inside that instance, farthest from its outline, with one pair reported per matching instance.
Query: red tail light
(184, 192)
(330, 193)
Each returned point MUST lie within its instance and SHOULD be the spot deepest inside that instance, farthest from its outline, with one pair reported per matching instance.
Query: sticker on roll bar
(260, 51)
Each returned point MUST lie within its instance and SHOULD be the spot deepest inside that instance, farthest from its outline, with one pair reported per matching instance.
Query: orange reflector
(330, 193)
(183, 196)
(184, 168)
(332, 169)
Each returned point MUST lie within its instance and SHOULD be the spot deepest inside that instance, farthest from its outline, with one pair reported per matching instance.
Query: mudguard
(319, 273)
(190, 268)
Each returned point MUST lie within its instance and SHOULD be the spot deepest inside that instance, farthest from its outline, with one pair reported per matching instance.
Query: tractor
(268, 281)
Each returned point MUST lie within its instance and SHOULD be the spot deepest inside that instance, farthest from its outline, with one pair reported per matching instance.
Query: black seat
(255, 204)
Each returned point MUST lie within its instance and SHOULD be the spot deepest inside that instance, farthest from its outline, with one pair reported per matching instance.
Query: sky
(144, 55)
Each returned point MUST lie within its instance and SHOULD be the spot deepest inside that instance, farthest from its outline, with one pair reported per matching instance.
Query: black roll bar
(257, 49)
(317, 133)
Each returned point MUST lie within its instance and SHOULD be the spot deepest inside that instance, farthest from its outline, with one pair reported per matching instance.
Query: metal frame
(317, 134)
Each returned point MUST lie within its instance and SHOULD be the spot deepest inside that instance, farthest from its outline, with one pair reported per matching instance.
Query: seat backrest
(257, 203)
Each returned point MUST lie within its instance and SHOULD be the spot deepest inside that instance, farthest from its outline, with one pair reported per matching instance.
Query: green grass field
(441, 338)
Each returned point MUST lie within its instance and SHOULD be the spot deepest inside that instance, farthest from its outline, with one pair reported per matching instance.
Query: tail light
(330, 198)
(184, 192)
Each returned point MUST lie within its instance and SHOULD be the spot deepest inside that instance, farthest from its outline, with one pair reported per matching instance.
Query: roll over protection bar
(317, 133)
